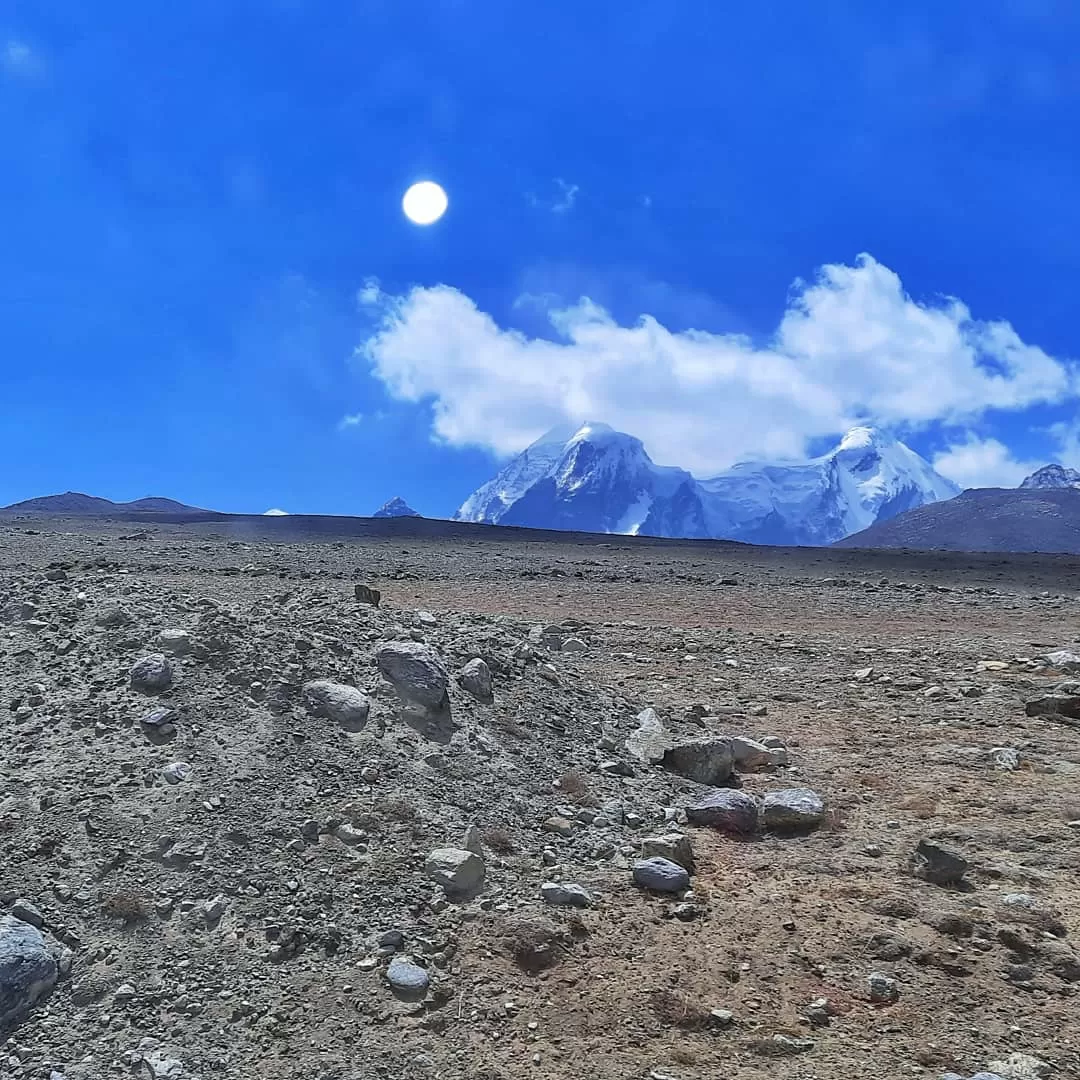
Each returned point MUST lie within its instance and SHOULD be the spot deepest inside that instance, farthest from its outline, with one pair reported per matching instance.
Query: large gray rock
(475, 678)
(650, 740)
(343, 704)
(792, 808)
(661, 875)
(407, 979)
(936, 864)
(1064, 660)
(727, 809)
(458, 871)
(416, 672)
(151, 674)
(27, 970)
(707, 761)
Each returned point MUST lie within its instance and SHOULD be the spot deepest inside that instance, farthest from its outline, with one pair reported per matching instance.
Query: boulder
(706, 761)
(339, 702)
(475, 678)
(727, 809)
(365, 594)
(792, 808)
(27, 970)
(458, 871)
(151, 674)
(416, 672)
(1054, 705)
(1064, 660)
(661, 875)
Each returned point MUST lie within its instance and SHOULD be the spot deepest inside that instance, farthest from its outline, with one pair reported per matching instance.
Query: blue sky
(208, 290)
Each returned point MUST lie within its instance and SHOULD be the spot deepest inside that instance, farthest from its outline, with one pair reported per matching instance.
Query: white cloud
(19, 59)
(560, 203)
(275, 512)
(851, 345)
(978, 462)
(352, 420)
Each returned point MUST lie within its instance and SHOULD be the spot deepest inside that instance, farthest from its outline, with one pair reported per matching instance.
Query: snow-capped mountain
(593, 479)
(1052, 476)
(596, 479)
(868, 477)
(395, 507)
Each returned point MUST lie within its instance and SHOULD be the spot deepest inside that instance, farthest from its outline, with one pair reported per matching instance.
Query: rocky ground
(270, 830)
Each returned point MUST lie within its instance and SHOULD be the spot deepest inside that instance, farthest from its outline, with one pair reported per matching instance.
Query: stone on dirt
(28, 971)
(727, 809)
(792, 808)
(706, 761)
(458, 871)
(934, 863)
(407, 979)
(661, 875)
(565, 894)
(339, 702)
(475, 679)
(365, 594)
(650, 740)
(750, 754)
(151, 674)
(675, 847)
(416, 672)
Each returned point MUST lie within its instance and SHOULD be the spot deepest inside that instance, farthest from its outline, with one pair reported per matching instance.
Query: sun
(424, 203)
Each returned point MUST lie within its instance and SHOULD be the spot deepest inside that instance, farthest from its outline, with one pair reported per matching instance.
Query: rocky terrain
(403, 805)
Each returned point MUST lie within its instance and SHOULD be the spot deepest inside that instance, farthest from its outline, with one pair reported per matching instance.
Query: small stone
(750, 754)
(151, 674)
(792, 808)
(175, 642)
(661, 875)
(565, 894)
(675, 847)
(727, 809)
(27, 913)
(574, 645)
(365, 594)
(650, 741)
(459, 872)
(558, 825)
(1018, 1066)
(343, 704)
(159, 717)
(783, 1046)
(722, 1017)
(407, 979)
(124, 992)
(158, 1065)
(475, 678)
(213, 910)
(883, 990)
(1064, 660)
(938, 865)
(177, 772)
(1005, 758)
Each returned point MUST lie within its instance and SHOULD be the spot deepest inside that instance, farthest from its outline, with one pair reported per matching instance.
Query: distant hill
(1052, 476)
(984, 519)
(76, 504)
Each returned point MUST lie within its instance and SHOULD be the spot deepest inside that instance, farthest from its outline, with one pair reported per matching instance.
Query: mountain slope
(984, 519)
(868, 477)
(75, 504)
(395, 507)
(593, 479)
(599, 480)
(1052, 476)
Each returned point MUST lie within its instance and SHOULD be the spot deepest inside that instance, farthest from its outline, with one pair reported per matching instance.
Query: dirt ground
(889, 676)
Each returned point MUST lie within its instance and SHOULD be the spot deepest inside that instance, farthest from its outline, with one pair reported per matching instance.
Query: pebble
(458, 871)
(565, 894)
(176, 772)
(792, 808)
(475, 679)
(151, 674)
(882, 989)
(407, 979)
(27, 912)
(939, 865)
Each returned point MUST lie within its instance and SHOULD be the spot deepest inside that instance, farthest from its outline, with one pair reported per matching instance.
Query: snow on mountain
(596, 479)
(592, 479)
(1052, 476)
(868, 477)
(395, 507)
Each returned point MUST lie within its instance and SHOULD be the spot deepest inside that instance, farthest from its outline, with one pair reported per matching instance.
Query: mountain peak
(395, 507)
(863, 436)
(1052, 476)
